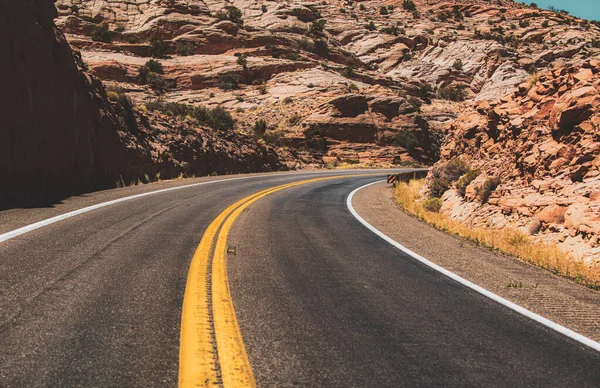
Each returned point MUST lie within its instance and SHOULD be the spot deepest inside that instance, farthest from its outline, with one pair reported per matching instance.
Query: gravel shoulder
(544, 293)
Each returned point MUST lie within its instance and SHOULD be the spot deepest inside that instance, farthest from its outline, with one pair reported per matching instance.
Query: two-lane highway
(96, 300)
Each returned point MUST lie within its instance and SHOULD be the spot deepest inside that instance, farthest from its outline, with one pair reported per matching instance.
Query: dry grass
(533, 79)
(509, 241)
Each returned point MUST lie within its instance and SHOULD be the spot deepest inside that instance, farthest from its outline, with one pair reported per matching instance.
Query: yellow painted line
(198, 340)
(197, 361)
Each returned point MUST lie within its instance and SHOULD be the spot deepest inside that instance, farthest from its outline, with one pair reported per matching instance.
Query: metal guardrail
(393, 179)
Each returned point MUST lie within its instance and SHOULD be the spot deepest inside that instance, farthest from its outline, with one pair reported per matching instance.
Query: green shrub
(432, 205)
(317, 27)
(260, 127)
(231, 13)
(158, 83)
(545, 24)
(458, 65)
(524, 23)
(406, 140)
(306, 45)
(185, 49)
(409, 5)
(424, 91)
(415, 102)
(452, 92)
(444, 174)
(383, 11)
(242, 60)
(465, 180)
(217, 118)
(229, 80)
(154, 66)
(120, 28)
(484, 192)
(362, 7)
(371, 26)
(101, 33)
(392, 30)
(264, 8)
(149, 73)
(158, 47)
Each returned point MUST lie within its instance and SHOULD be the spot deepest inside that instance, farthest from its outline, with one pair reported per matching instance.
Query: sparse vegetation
(158, 47)
(231, 13)
(383, 11)
(185, 49)
(101, 33)
(488, 187)
(406, 140)
(458, 65)
(507, 241)
(409, 5)
(124, 106)
(533, 79)
(444, 174)
(432, 205)
(229, 80)
(260, 127)
(524, 23)
(415, 102)
(465, 180)
(452, 92)
(316, 28)
(371, 26)
(217, 118)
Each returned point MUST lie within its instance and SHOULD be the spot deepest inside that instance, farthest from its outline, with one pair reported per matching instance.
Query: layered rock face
(308, 83)
(543, 142)
(61, 135)
(300, 58)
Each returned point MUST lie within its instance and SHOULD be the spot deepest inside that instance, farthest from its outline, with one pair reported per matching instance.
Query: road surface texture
(95, 300)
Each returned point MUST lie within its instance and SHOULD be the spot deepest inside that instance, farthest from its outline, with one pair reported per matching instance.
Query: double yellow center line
(211, 351)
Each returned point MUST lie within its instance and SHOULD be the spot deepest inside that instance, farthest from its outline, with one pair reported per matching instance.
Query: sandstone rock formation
(61, 135)
(543, 142)
(308, 83)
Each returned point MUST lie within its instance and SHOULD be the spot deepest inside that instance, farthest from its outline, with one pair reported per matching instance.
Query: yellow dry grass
(509, 241)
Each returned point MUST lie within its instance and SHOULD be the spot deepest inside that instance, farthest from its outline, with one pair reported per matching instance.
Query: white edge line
(523, 311)
(37, 225)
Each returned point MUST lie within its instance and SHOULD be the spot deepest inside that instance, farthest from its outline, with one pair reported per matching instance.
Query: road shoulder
(548, 295)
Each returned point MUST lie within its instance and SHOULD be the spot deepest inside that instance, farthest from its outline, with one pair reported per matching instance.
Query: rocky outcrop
(543, 143)
(61, 134)
(317, 83)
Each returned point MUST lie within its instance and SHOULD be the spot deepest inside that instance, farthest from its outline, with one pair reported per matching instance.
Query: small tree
(409, 5)
(317, 27)
(458, 65)
(234, 14)
(158, 47)
(260, 127)
(101, 33)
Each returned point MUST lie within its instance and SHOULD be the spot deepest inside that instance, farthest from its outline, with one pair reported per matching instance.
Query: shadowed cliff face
(57, 134)
(60, 134)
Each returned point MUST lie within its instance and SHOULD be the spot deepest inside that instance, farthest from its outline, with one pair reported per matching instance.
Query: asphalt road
(96, 300)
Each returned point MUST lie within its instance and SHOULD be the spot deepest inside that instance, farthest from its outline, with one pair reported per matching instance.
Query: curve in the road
(515, 307)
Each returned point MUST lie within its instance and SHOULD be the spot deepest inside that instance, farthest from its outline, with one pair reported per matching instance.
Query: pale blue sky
(587, 9)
